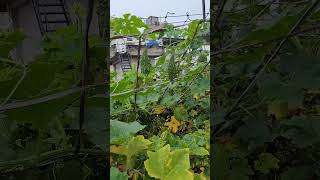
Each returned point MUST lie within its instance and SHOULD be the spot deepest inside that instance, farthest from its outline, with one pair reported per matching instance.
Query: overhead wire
(182, 15)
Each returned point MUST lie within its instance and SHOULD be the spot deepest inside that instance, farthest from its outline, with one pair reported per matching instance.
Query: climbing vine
(163, 133)
(265, 90)
(39, 108)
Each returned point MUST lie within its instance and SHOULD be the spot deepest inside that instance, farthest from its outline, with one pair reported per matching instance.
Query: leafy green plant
(167, 165)
(38, 131)
(129, 24)
(264, 87)
(168, 110)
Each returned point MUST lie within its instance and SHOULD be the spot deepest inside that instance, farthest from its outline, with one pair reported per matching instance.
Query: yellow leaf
(279, 109)
(173, 124)
(158, 109)
(118, 149)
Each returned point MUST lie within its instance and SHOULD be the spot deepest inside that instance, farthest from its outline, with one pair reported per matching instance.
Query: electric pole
(204, 9)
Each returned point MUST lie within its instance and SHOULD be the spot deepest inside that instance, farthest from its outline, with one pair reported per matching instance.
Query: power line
(183, 15)
(188, 21)
(157, 29)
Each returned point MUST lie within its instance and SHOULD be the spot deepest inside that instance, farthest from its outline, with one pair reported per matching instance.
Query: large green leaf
(128, 24)
(95, 125)
(200, 87)
(95, 120)
(120, 131)
(278, 28)
(229, 165)
(220, 162)
(296, 73)
(169, 165)
(181, 113)
(40, 115)
(40, 75)
(254, 132)
(302, 131)
(197, 142)
(115, 174)
(131, 148)
(266, 163)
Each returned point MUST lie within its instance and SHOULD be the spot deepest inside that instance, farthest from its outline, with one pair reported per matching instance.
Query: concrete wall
(24, 19)
(5, 22)
(153, 52)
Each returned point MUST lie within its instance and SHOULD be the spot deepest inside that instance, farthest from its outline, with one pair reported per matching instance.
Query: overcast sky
(145, 8)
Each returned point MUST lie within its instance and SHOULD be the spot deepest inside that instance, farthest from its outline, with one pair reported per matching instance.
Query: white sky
(145, 8)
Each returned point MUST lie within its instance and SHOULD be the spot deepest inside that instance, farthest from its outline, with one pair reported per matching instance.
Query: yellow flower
(173, 124)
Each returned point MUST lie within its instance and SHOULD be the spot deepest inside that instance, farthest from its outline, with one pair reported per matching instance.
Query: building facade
(124, 51)
(37, 17)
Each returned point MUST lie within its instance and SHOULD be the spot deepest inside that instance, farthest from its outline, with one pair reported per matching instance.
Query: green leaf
(170, 100)
(200, 87)
(131, 148)
(157, 142)
(181, 113)
(220, 163)
(95, 125)
(280, 27)
(128, 24)
(120, 131)
(239, 169)
(302, 131)
(35, 83)
(197, 142)
(230, 164)
(254, 132)
(266, 162)
(169, 165)
(135, 145)
(115, 174)
(148, 96)
(40, 115)
(219, 116)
